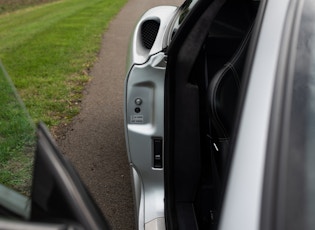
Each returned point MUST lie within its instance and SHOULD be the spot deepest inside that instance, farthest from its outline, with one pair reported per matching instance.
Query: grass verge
(47, 50)
(17, 139)
(13, 5)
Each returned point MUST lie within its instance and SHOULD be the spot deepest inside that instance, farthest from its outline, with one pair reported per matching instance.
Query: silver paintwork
(138, 54)
(157, 224)
(242, 203)
(146, 82)
(144, 90)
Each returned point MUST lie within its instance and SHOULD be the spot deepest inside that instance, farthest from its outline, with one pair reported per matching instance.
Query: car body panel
(157, 224)
(146, 82)
(144, 116)
(138, 53)
(243, 190)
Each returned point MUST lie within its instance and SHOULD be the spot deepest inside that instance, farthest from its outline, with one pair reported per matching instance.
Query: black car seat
(222, 96)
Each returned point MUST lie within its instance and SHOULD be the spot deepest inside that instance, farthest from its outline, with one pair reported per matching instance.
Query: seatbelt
(189, 51)
(192, 47)
(197, 36)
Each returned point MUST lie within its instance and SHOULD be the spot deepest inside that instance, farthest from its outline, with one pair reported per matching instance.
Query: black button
(137, 110)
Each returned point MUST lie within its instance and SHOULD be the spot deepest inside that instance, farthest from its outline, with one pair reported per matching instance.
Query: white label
(136, 119)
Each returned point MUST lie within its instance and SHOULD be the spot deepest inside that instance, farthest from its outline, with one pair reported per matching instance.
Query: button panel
(157, 153)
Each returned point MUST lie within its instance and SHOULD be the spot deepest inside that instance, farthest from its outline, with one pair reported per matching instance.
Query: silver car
(219, 109)
(219, 119)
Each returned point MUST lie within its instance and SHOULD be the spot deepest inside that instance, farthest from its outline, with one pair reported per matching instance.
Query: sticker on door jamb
(136, 119)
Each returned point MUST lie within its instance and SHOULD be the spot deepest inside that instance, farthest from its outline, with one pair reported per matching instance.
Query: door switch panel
(157, 153)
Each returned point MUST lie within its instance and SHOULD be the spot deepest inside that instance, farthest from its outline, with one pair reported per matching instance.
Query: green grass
(48, 49)
(17, 139)
(13, 5)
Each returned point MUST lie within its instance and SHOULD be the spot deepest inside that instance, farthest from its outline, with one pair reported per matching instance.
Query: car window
(300, 199)
(17, 139)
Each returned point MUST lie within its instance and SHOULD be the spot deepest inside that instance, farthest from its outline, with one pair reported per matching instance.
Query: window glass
(301, 159)
(17, 139)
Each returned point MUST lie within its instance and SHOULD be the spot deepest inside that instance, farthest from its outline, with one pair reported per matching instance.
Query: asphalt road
(94, 142)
